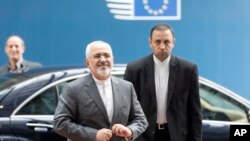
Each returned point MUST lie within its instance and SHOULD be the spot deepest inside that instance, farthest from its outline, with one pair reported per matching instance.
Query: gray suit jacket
(81, 112)
(26, 65)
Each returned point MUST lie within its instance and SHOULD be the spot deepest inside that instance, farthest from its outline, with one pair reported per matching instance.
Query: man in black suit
(168, 90)
(14, 48)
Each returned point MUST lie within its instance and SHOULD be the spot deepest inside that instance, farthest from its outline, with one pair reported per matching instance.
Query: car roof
(9, 79)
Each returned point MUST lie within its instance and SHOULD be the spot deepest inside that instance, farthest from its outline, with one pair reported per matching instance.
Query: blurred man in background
(14, 48)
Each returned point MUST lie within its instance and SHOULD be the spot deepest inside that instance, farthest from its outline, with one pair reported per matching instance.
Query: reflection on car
(28, 102)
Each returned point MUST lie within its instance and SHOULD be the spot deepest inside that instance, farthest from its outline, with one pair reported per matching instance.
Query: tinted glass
(220, 107)
(43, 104)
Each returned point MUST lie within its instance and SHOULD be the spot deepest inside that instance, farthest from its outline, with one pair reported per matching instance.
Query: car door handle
(40, 127)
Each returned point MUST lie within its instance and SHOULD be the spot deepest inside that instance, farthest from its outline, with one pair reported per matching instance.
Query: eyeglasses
(104, 55)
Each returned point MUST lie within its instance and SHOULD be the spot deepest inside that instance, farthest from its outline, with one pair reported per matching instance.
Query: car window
(60, 86)
(220, 107)
(44, 104)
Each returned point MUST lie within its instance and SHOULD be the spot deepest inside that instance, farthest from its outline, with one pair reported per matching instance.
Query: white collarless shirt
(105, 90)
(161, 87)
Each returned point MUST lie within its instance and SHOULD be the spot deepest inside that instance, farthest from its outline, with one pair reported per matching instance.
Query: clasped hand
(117, 129)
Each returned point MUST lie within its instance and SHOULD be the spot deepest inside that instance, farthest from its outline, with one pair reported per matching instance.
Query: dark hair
(161, 27)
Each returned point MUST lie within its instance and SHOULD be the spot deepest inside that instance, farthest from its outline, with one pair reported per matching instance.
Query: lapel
(5, 68)
(172, 78)
(93, 92)
(150, 82)
(117, 99)
(25, 65)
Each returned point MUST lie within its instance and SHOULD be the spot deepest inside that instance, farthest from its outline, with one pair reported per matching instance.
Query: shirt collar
(19, 64)
(102, 82)
(158, 62)
(18, 67)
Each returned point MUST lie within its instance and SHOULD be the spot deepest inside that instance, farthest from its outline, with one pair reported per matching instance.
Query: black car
(28, 102)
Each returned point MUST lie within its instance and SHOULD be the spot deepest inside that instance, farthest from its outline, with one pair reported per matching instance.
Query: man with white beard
(99, 107)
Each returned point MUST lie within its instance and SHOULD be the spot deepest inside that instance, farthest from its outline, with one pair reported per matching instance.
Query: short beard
(103, 72)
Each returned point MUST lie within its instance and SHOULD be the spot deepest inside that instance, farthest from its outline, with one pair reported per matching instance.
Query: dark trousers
(162, 134)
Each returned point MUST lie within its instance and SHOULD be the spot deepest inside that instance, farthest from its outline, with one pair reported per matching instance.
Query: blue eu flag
(155, 8)
(145, 9)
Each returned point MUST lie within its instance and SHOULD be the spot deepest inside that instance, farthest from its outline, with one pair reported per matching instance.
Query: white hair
(97, 43)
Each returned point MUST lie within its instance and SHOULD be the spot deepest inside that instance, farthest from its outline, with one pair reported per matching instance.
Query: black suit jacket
(183, 102)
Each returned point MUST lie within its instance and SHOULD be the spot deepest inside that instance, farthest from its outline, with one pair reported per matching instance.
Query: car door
(32, 121)
(219, 112)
